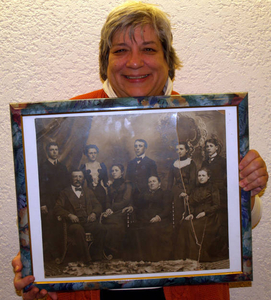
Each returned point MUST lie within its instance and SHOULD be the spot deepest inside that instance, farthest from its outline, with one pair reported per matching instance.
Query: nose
(134, 60)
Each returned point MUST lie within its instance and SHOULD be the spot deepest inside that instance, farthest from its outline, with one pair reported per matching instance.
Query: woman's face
(181, 150)
(137, 66)
(116, 172)
(92, 154)
(153, 183)
(211, 148)
(203, 177)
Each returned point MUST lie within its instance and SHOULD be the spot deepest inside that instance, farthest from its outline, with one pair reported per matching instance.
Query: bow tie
(138, 159)
(78, 189)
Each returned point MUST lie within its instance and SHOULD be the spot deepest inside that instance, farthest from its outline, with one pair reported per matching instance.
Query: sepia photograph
(133, 194)
(123, 198)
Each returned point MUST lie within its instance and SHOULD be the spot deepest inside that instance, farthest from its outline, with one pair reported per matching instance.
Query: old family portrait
(132, 187)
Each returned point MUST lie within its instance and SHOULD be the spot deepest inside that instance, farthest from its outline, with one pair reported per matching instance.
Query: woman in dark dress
(114, 218)
(200, 230)
(151, 232)
(95, 174)
(181, 179)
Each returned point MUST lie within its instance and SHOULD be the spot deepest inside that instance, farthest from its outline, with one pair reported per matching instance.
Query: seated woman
(201, 225)
(151, 231)
(115, 217)
(95, 174)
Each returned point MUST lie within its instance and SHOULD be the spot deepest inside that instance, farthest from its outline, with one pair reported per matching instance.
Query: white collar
(77, 193)
(182, 163)
(213, 155)
(111, 94)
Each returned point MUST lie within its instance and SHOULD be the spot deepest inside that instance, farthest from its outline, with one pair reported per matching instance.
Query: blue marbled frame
(18, 110)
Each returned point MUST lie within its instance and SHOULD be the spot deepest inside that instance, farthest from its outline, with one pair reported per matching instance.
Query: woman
(95, 174)
(151, 230)
(115, 217)
(181, 179)
(137, 58)
(200, 230)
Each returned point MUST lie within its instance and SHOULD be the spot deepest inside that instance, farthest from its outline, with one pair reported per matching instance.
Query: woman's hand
(109, 182)
(189, 217)
(128, 209)
(20, 283)
(253, 173)
(109, 211)
(155, 219)
(200, 215)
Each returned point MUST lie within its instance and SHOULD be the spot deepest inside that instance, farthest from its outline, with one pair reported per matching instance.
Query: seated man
(81, 210)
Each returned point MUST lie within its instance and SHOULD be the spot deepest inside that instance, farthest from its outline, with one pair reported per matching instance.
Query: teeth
(136, 77)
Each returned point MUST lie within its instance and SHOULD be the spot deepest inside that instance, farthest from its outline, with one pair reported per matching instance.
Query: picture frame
(115, 124)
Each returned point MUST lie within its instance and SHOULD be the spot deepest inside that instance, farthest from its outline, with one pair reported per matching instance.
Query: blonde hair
(130, 15)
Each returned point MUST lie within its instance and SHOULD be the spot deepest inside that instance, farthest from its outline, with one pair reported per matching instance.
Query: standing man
(140, 168)
(53, 178)
(81, 210)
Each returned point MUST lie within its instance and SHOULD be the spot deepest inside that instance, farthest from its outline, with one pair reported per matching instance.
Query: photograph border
(18, 110)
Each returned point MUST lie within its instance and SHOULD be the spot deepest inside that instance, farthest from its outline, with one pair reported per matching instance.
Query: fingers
(249, 157)
(53, 295)
(20, 283)
(200, 215)
(253, 173)
(128, 209)
(250, 163)
(189, 217)
(34, 293)
(255, 180)
(16, 263)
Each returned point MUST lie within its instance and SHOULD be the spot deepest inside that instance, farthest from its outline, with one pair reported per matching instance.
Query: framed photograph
(132, 192)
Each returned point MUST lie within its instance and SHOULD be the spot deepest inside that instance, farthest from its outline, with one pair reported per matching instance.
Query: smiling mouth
(136, 77)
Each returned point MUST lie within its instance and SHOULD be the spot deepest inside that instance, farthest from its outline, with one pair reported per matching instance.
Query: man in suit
(140, 168)
(53, 178)
(81, 210)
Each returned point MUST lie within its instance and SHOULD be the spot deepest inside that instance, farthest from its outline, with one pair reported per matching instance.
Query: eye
(119, 51)
(148, 49)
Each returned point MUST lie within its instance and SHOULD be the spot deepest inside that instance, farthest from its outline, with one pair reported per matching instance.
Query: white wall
(49, 51)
